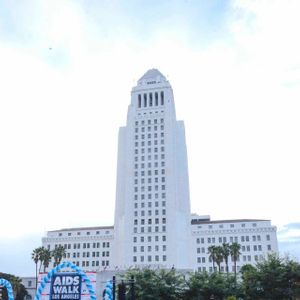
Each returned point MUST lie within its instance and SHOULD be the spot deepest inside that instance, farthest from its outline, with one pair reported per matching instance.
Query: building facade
(153, 225)
(256, 237)
(89, 248)
(152, 213)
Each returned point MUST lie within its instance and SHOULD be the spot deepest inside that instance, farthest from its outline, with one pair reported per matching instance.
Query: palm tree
(212, 255)
(235, 253)
(58, 253)
(35, 256)
(226, 253)
(45, 258)
(219, 256)
(16, 283)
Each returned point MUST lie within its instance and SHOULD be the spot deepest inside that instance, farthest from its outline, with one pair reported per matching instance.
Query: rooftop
(84, 228)
(152, 76)
(199, 221)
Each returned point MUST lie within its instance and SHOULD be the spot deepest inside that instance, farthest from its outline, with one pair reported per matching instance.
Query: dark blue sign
(65, 286)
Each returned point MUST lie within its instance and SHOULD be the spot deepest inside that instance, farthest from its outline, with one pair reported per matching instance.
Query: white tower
(152, 214)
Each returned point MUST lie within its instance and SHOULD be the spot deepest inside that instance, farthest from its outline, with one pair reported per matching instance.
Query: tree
(219, 256)
(203, 285)
(157, 284)
(226, 253)
(273, 278)
(58, 253)
(19, 290)
(251, 286)
(235, 254)
(212, 254)
(45, 258)
(35, 256)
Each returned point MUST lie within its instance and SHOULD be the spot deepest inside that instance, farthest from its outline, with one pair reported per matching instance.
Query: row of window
(149, 136)
(149, 165)
(84, 245)
(162, 156)
(149, 229)
(149, 130)
(240, 258)
(87, 254)
(149, 197)
(149, 180)
(149, 238)
(232, 239)
(149, 151)
(156, 212)
(243, 248)
(142, 158)
(149, 222)
(149, 258)
(149, 188)
(222, 225)
(149, 143)
(149, 122)
(210, 269)
(143, 131)
(87, 233)
(151, 99)
(150, 173)
(150, 113)
(149, 248)
(94, 263)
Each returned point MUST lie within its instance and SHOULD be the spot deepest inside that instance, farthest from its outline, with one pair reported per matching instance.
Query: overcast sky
(66, 72)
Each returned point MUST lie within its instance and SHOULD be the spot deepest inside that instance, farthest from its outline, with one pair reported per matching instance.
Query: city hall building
(153, 224)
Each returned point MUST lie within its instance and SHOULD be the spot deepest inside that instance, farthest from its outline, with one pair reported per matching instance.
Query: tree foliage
(203, 285)
(58, 253)
(19, 290)
(157, 284)
(274, 278)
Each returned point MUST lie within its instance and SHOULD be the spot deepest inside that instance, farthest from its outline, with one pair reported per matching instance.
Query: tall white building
(153, 224)
(152, 215)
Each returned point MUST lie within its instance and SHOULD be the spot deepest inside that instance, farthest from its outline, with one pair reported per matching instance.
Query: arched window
(156, 99)
(139, 101)
(150, 99)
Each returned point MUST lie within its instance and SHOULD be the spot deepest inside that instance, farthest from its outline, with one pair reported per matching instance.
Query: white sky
(66, 72)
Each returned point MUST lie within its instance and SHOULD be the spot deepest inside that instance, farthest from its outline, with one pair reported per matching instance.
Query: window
(162, 100)
(139, 103)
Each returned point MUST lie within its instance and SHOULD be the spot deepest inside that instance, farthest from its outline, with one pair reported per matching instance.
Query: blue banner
(65, 286)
